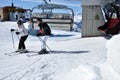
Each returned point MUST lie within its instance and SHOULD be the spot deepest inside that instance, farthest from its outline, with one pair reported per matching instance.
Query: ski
(28, 54)
(37, 54)
(18, 53)
(9, 53)
(107, 36)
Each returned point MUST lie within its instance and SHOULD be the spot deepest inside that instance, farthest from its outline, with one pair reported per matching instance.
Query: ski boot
(43, 51)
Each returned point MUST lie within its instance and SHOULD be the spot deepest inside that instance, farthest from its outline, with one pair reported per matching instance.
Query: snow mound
(83, 72)
(113, 52)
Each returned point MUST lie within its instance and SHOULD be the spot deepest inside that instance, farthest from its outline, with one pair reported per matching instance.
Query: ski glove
(39, 34)
(17, 33)
(12, 30)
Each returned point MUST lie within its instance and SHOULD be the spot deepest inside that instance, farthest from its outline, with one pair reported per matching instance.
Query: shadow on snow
(68, 52)
(61, 35)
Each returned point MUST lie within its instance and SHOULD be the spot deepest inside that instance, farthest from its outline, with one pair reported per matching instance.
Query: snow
(75, 58)
(77, 22)
(112, 48)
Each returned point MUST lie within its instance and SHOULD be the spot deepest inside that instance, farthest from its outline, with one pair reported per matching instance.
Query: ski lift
(112, 26)
(62, 20)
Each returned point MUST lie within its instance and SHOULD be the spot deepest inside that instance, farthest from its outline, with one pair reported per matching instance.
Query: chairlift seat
(113, 22)
(111, 27)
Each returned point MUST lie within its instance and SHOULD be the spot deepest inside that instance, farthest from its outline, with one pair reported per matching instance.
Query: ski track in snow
(22, 69)
(30, 69)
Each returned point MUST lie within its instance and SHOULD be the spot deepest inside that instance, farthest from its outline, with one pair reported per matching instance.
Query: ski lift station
(92, 16)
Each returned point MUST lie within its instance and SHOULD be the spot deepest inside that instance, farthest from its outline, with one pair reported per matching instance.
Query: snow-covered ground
(73, 57)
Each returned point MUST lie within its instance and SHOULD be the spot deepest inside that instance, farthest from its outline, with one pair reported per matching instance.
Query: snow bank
(113, 52)
(108, 73)
(83, 72)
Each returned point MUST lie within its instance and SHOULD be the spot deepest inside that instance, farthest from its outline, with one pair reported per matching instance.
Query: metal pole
(12, 40)
(12, 3)
(18, 37)
(45, 44)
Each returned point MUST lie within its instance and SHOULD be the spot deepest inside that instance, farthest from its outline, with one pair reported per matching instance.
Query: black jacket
(44, 29)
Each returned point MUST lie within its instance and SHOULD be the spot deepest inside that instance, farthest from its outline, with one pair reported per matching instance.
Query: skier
(29, 25)
(43, 34)
(24, 34)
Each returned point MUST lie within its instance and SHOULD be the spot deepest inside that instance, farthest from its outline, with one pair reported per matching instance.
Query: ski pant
(43, 41)
(22, 42)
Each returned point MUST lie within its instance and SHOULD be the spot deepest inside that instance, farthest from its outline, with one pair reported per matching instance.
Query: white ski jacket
(22, 30)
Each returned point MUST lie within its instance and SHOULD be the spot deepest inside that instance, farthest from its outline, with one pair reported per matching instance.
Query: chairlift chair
(47, 9)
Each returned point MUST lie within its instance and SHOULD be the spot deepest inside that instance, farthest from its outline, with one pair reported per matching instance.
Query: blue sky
(29, 4)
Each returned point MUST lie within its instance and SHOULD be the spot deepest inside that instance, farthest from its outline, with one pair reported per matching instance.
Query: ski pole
(18, 37)
(17, 33)
(45, 44)
(12, 40)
